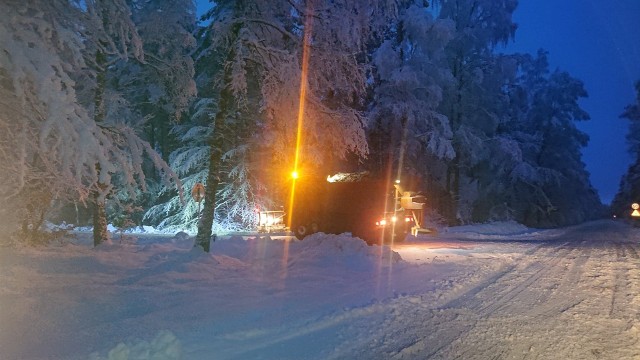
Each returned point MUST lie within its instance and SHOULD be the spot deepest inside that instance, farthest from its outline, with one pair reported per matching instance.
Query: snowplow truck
(374, 210)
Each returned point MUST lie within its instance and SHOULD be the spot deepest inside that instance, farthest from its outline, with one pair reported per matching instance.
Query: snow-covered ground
(498, 291)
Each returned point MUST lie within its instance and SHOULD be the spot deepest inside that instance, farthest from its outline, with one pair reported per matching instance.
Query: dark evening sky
(598, 43)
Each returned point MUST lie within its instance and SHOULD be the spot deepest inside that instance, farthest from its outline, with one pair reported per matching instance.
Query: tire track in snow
(625, 297)
(566, 285)
(550, 302)
(467, 298)
(616, 276)
(473, 309)
(632, 251)
(634, 279)
(550, 291)
(565, 272)
(498, 291)
(541, 271)
(496, 329)
(452, 320)
(481, 303)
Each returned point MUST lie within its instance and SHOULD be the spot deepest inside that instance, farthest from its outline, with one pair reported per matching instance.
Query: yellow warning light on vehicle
(635, 212)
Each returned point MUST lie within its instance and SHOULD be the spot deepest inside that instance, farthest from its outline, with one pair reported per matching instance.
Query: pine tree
(548, 184)
(162, 87)
(479, 26)
(629, 190)
(189, 161)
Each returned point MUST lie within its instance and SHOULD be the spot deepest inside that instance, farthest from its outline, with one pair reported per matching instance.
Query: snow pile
(165, 346)
(341, 252)
(500, 231)
(318, 250)
(496, 228)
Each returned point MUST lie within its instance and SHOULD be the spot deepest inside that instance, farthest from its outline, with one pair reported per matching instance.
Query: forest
(112, 110)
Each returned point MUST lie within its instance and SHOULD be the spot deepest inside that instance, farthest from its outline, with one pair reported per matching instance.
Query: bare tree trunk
(203, 238)
(100, 232)
(205, 223)
(216, 143)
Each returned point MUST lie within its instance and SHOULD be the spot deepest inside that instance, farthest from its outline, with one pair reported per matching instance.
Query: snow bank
(165, 346)
(342, 251)
(317, 250)
(500, 231)
(495, 228)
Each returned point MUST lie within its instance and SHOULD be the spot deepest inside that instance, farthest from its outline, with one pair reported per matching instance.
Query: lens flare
(296, 162)
(301, 104)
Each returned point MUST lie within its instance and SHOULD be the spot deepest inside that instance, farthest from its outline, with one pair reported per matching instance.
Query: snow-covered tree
(119, 77)
(111, 37)
(542, 180)
(479, 26)
(55, 141)
(162, 87)
(189, 161)
(410, 71)
(47, 137)
(499, 151)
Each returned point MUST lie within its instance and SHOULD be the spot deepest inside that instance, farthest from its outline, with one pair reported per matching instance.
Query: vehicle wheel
(400, 237)
(314, 227)
(395, 237)
(301, 231)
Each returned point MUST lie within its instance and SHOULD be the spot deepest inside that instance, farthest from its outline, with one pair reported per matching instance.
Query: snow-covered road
(576, 297)
(481, 292)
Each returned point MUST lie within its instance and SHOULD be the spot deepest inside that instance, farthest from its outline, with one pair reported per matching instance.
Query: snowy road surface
(526, 294)
(575, 297)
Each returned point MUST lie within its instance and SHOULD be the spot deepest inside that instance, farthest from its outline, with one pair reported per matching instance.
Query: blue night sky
(596, 42)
